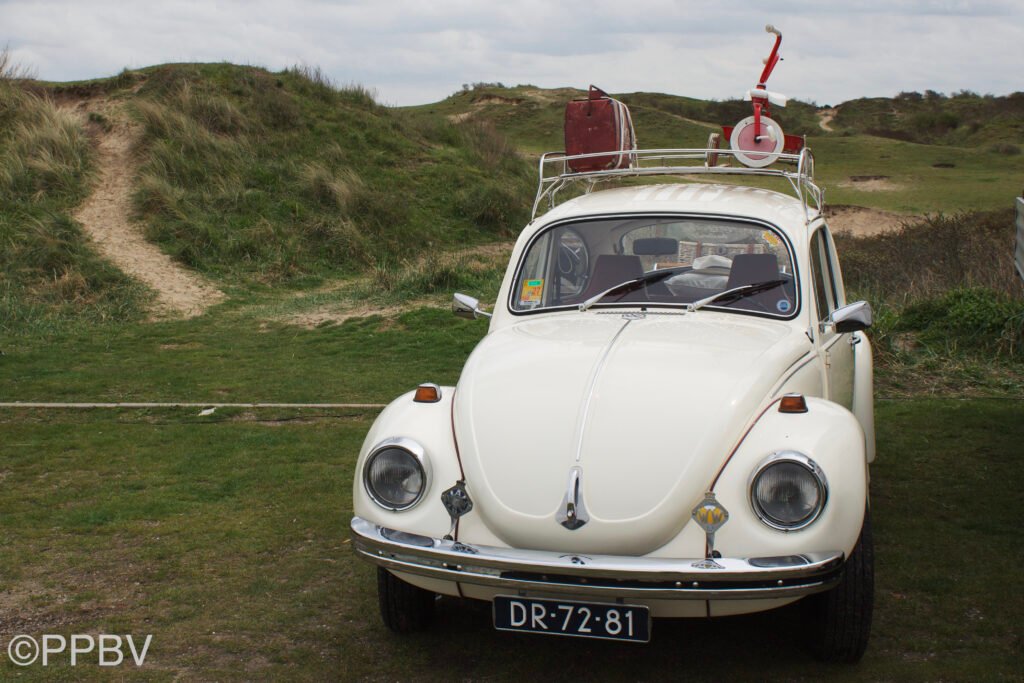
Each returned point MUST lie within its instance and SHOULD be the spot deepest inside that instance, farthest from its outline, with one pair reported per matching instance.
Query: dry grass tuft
(45, 152)
(337, 189)
(316, 82)
(216, 113)
(11, 70)
(490, 145)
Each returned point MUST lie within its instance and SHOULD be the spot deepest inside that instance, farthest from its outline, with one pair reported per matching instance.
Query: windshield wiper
(629, 285)
(734, 294)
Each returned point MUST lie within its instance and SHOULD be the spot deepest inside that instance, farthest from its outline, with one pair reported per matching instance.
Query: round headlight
(395, 474)
(788, 491)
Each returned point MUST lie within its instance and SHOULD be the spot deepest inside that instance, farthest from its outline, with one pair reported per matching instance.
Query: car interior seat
(749, 269)
(610, 270)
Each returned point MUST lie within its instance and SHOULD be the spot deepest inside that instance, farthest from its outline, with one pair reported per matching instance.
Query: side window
(821, 272)
(530, 291)
(838, 291)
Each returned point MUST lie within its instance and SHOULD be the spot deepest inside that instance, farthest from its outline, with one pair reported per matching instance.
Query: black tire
(403, 607)
(841, 617)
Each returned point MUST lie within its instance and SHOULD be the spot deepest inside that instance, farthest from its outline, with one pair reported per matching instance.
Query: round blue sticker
(783, 305)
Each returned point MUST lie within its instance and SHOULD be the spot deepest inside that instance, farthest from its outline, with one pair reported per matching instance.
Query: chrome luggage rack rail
(798, 169)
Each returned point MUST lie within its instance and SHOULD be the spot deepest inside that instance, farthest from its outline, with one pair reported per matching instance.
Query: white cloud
(414, 51)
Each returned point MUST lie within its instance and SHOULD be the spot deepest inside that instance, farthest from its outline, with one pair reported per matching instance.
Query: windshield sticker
(783, 305)
(771, 238)
(532, 290)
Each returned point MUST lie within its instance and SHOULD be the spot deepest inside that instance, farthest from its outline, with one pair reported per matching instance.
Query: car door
(836, 350)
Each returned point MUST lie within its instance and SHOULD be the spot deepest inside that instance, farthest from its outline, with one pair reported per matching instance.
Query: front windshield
(700, 257)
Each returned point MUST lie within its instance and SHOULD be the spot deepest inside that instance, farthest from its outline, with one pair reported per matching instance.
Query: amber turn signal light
(793, 403)
(427, 393)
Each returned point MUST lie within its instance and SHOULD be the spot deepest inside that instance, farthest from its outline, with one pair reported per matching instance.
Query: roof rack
(555, 173)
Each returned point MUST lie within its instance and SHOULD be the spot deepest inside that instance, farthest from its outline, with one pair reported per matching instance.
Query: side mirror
(467, 307)
(852, 317)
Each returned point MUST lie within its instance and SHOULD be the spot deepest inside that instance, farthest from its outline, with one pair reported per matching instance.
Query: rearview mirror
(467, 307)
(852, 317)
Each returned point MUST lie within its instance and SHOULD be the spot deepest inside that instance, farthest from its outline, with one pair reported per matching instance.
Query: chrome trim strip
(800, 364)
(581, 427)
(610, 576)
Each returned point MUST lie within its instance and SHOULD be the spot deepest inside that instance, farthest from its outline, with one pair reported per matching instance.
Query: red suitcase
(598, 124)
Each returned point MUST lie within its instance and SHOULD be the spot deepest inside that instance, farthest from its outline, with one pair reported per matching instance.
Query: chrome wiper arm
(652, 276)
(734, 294)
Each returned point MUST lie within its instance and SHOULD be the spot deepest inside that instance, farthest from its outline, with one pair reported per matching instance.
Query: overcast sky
(418, 51)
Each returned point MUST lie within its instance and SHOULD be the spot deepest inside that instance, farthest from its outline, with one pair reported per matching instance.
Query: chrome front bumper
(611, 576)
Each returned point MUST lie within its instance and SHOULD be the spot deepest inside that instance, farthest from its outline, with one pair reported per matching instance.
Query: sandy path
(105, 217)
(861, 221)
(825, 119)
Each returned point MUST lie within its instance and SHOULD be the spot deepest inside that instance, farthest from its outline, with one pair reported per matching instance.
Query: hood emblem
(573, 513)
(457, 502)
(710, 516)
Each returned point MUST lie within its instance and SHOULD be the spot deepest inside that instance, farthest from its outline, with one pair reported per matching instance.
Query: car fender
(832, 437)
(429, 425)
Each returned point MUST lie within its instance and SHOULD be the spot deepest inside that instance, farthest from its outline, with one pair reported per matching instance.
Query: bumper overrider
(612, 576)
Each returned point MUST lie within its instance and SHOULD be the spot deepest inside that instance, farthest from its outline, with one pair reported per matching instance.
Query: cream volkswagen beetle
(670, 416)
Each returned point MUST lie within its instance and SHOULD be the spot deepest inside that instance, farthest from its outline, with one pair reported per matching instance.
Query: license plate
(581, 619)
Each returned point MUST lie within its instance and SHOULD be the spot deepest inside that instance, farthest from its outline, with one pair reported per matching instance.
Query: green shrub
(968, 319)
(494, 207)
(934, 123)
(929, 257)
(1007, 148)
(945, 283)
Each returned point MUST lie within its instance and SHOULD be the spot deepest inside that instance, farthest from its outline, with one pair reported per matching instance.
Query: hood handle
(573, 512)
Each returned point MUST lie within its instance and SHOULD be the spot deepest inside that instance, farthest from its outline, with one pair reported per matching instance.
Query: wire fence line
(350, 406)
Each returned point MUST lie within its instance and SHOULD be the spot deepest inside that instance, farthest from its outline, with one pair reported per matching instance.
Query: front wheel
(841, 618)
(403, 607)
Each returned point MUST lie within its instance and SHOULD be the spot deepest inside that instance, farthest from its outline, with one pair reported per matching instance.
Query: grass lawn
(225, 536)
(363, 360)
(916, 180)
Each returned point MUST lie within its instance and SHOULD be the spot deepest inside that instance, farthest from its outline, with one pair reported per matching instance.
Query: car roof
(783, 211)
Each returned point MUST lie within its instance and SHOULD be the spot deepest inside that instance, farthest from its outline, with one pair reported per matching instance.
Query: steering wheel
(571, 264)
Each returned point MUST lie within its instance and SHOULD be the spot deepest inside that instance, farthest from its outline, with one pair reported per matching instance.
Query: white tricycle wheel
(761, 152)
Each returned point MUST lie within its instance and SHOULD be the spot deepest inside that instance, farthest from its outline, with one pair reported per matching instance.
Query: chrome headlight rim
(419, 455)
(797, 458)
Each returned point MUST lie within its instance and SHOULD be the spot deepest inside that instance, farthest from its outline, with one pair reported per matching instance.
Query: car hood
(647, 407)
